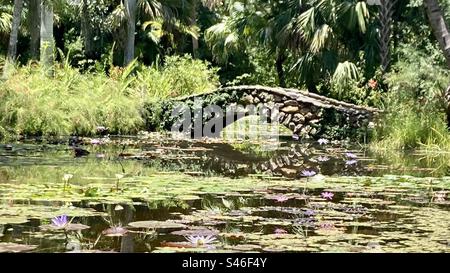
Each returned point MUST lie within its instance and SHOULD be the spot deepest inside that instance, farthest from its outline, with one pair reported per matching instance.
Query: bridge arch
(306, 114)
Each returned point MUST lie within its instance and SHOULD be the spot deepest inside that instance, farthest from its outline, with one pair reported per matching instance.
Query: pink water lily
(115, 231)
(281, 198)
(280, 231)
(327, 195)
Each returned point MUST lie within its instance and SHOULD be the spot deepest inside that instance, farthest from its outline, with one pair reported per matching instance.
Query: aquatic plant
(201, 241)
(118, 177)
(308, 173)
(323, 141)
(323, 158)
(60, 221)
(66, 178)
(327, 195)
(351, 162)
(115, 231)
(281, 198)
(309, 212)
(280, 231)
(351, 155)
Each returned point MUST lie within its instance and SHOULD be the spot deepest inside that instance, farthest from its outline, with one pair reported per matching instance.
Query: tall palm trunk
(439, 26)
(442, 34)
(12, 46)
(86, 28)
(193, 22)
(47, 42)
(281, 57)
(34, 27)
(130, 11)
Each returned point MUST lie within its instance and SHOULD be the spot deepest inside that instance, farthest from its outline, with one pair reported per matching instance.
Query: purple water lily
(306, 222)
(308, 173)
(60, 221)
(351, 155)
(280, 231)
(327, 195)
(327, 225)
(323, 158)
(281, 198)
(309, 212)
(295, 137)
(101, 129)
(351, 162)
(322, 141)
(96, 141)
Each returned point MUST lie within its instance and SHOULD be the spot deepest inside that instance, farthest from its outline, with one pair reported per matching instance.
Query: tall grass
(75, 103)
(414, 106)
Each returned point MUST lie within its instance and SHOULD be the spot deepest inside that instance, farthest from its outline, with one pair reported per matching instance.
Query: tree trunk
(12, 46)
(47, 42)
(279, 66)
(441, 32)
(86, 28)
(193, 22)
(439, 26)
(130, 11)
(34, 27)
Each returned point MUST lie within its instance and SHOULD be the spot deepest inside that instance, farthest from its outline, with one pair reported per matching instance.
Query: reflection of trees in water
(226, 159)
(127, 244)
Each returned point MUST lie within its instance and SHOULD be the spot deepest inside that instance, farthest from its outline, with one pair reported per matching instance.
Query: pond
(153, 193)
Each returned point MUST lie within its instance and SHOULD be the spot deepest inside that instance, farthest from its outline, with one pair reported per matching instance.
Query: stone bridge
(307, 115)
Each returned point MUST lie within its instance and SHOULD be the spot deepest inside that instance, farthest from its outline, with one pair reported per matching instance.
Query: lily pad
(157, 225)
(15, 248)
(68, 227)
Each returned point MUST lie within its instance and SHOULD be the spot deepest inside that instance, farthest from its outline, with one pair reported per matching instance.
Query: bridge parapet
(306, 114)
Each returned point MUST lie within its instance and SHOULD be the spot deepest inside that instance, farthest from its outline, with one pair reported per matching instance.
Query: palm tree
(12, 46)
(442, 34)
(130, 13)
(331, 33)
(5, 19)
(46, 35)
(87, 30)
(439, 26)
(34, 25)
(171, 11)
(323, 35)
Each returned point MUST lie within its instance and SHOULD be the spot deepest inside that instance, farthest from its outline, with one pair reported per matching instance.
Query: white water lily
(118, 207)
(201, 240)
(67, 176)
(119, 175)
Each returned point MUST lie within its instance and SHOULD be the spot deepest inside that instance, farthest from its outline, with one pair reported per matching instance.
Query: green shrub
(414, 106)
(75, 103)
(187, 76)
(69, 103)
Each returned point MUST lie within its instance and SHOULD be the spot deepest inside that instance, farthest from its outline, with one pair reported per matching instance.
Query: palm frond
(345, 72)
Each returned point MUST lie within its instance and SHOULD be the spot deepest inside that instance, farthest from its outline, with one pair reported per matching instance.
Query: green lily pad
(15, 248)
(156, 225)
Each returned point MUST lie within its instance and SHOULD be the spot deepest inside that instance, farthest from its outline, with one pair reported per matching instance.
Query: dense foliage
(331, 47)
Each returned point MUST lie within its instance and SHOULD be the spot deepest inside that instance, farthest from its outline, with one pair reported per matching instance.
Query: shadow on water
(156, 194)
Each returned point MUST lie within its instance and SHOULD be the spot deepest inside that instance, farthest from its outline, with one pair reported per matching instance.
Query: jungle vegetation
(70, 65)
